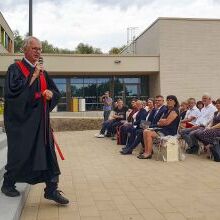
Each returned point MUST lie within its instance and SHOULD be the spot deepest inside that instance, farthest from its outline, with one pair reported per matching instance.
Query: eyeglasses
(36, 49)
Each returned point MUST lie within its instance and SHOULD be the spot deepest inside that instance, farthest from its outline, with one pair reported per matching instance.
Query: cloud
(101, 24)
(124, 4)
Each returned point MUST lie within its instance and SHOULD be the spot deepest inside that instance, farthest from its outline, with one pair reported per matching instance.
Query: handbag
(170, 149)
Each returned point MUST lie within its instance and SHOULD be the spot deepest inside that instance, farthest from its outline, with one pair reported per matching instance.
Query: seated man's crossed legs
(185, 135)
(193, 145)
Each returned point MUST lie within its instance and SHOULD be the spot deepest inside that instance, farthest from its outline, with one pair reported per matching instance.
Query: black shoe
(125, 152)
(189, 151)
(56, 197)
(144, 157)
(192, 150)
(10, 191)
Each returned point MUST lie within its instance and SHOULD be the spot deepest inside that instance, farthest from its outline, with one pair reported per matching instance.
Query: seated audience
(208, 135)
(122, 130)
(168, 125)
(191, 115)
(140, 115)
(201, 123)
(109, 127)
(153, 117)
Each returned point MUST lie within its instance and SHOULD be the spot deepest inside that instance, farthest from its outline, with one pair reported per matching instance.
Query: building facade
(178, 56)
(189, 54)
(89, 76)
(6, 37)
(6, 45)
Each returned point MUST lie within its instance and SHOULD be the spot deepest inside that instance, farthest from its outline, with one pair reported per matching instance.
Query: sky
(100, 23)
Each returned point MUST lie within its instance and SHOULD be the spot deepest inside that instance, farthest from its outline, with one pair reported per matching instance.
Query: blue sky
(100, 23)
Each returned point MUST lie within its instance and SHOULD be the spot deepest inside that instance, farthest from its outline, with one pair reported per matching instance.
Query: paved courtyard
(102, 184)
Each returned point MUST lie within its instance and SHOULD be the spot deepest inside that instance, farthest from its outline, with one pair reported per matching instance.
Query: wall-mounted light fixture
(117, 61)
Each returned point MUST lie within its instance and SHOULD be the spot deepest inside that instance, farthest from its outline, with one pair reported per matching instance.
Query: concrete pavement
(102, 184)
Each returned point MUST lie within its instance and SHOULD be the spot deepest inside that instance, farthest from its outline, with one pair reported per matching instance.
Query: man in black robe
(30, 95)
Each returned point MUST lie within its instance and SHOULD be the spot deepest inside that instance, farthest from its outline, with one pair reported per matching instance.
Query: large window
(92, 88)
(5, 40)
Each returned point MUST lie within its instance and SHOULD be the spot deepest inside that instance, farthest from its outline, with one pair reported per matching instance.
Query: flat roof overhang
(62, 64)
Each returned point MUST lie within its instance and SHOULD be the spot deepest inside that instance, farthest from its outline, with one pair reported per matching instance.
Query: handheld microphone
(41, 60)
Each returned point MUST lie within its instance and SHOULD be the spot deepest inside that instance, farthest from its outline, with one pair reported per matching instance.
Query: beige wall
(147, 44)
(154, 85)
(92, 64)
(189, 57)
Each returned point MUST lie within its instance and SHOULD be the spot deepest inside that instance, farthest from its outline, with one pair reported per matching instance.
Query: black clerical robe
(31, 154)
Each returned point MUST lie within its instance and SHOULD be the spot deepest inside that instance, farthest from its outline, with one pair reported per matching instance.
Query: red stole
(43, 87)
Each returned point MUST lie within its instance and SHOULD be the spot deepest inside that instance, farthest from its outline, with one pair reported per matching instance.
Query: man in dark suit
(160, 109)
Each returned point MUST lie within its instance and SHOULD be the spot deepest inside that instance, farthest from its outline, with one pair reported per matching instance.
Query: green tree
(49, 48)
(116, 50)
(18, 42)
(87, 49)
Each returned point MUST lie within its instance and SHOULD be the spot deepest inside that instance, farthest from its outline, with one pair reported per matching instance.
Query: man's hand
(48, 94)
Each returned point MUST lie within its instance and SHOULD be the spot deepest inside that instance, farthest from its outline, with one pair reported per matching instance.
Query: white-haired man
(30, 95)
(204, 119)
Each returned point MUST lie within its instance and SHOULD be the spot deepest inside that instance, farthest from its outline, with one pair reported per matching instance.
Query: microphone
(41, 60)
